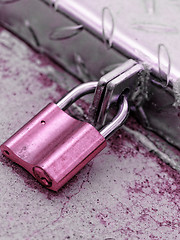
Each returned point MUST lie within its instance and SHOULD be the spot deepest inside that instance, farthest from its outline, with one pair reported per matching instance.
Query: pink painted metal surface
(53, 146)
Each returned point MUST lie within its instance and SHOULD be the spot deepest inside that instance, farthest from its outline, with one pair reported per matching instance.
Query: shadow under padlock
(53, 146)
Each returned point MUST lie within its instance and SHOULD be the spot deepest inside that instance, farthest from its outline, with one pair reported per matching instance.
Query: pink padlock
(53, 146)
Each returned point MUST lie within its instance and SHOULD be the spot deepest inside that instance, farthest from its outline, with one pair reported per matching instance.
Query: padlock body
(53, 146)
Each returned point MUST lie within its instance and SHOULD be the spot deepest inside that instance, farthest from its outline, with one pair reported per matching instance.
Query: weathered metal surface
(90, 38)
(126, 193)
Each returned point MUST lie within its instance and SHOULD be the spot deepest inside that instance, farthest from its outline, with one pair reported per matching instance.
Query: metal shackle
(117, 121)
(87, 88)
(77, 92)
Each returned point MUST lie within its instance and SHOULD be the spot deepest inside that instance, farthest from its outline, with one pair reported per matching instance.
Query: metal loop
(118, 120)
(76, 93)
(87, 88)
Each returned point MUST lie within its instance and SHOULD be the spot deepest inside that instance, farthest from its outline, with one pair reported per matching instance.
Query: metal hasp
(121, 80)
(53, 146)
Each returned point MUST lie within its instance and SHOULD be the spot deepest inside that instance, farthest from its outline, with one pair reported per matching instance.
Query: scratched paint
(126, 192)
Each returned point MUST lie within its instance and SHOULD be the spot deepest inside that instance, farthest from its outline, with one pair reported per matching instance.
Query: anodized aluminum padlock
(53, 146)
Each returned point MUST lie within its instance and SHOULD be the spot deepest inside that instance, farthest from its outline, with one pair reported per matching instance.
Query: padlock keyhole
(42, 176)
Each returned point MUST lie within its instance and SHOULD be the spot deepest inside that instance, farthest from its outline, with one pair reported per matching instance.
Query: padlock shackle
(117, 121)
(76, 93)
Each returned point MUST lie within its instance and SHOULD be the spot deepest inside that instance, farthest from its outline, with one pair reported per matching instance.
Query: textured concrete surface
(126, 192)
